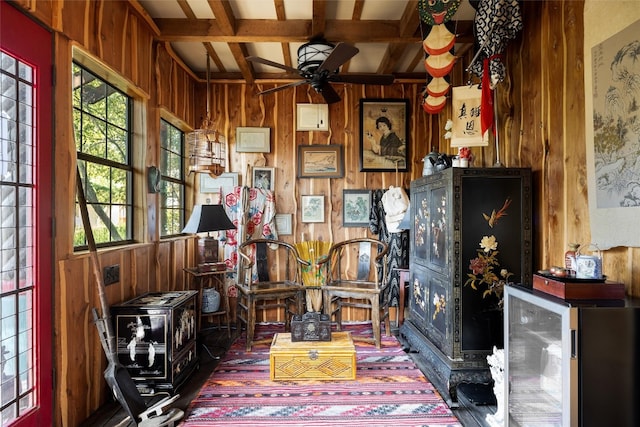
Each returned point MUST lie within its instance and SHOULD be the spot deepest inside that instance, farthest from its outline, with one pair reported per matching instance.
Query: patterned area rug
(389, 391)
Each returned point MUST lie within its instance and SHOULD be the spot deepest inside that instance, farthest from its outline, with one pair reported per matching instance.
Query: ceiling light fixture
(311, 55)
(207, 146)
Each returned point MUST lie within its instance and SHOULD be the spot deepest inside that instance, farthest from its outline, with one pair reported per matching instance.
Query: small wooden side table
(212, 279)
(403, 282)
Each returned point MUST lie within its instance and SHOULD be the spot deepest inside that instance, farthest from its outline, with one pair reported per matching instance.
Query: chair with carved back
(269, 278)
(354, 277)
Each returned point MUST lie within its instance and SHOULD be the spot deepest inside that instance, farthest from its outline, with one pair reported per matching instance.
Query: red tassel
(486, 104)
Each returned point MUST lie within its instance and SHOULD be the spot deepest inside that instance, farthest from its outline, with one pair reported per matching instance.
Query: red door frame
(25, 39)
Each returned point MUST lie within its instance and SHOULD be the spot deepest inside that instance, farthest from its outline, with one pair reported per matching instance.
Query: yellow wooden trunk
(313, 360)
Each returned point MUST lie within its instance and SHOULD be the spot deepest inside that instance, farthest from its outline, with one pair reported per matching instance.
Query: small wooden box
(313, 360)
(576, 290)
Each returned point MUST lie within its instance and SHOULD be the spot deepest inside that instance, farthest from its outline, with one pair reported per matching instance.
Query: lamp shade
(205, 218)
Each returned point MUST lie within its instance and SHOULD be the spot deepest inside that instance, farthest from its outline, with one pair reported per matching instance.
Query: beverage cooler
(570, 363)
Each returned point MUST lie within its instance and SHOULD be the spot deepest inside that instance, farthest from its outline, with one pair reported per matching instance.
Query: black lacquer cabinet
(156, 339)
(469, 227)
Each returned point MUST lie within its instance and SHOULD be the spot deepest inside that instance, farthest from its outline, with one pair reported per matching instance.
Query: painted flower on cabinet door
(485, 270)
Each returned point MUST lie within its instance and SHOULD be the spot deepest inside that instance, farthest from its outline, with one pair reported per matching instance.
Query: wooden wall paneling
(528, 120)
(577, 208)
(553, 102)
(74, 346)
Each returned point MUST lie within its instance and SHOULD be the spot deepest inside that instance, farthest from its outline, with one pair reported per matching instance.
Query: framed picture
(253, 140)
(284, 224)
(384, 133)
(264, 178)
(312, 208)
(213, 185)
(356, 205)
(320, 161)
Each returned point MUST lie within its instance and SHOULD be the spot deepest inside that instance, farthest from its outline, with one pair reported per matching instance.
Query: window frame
(130, 204)
(165, 178)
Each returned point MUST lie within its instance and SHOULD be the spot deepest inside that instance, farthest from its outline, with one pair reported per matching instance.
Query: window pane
(117, 149)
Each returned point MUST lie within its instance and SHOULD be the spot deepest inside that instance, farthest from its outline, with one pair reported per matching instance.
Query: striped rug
(389, 391)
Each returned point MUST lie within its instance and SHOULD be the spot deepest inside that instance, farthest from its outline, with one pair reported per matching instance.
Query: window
(172, 182)
(102, 120)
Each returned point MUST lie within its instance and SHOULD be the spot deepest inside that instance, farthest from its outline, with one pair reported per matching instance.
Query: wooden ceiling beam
(224, 16)
(294, 30)
(319, 17)
(239, 52)
(282, 16)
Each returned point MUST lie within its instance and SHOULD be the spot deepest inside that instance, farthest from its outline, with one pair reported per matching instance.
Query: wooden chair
(354, 277)
(269, 277)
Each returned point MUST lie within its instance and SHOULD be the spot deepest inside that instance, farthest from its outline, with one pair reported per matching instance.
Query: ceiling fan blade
(365, 79)
(272, 64)
(338, 56)
(277, 88)
(329, 93)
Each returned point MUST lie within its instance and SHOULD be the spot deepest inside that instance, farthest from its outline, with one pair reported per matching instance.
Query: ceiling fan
(318, 65)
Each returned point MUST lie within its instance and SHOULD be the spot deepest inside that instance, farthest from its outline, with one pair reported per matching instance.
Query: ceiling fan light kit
(311, 55)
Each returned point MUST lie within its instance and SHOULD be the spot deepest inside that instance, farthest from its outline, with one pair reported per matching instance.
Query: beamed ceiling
(388, 34)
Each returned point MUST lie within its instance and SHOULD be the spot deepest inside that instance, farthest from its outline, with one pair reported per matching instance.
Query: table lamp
(204, 219)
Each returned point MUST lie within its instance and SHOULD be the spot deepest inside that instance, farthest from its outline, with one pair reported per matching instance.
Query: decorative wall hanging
(384, 131)
(264, 178)
(465, 107)
(356, 206)
(213, 185)
(312, 208)
(613, 124)
(496, 23)
(320, 161)
(438, 45)
(253, 140)
(284, 224)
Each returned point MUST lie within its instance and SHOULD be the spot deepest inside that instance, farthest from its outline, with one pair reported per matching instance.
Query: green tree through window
(172, 183)
(103, 131)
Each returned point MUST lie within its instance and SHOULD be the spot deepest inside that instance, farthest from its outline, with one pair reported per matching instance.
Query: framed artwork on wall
(264, 178)
(384, 133)
(320, 161)
(253, 140)
(284, 224)
(356, 205)
(213, 185)
(312, 208)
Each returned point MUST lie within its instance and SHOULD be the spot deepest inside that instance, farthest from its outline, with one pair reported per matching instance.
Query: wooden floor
(217, 342)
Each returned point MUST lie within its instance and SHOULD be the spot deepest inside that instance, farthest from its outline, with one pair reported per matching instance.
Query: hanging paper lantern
(433, 105)
(439, 65)
(440, 40)
(438, 86)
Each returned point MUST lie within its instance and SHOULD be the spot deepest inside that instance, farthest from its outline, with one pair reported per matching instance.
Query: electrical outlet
(111, 274)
